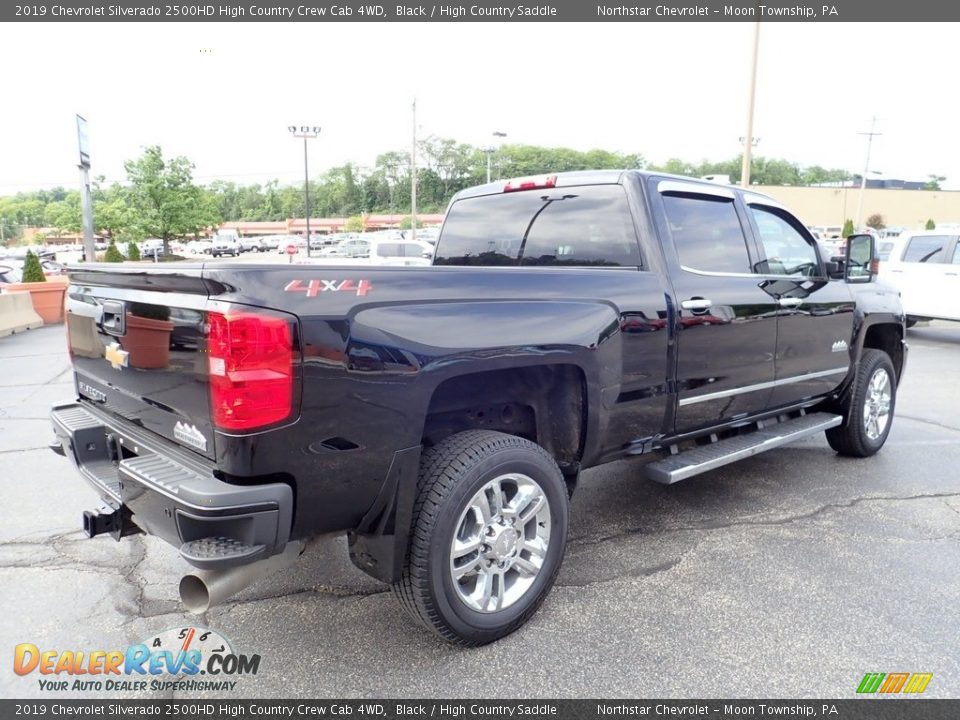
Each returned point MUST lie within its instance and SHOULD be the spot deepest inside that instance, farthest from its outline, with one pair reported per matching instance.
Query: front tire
(869, 407)
(487, 539)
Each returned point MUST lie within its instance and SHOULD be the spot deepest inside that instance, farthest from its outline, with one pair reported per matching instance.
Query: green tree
(65, 215)
(876, 222)
(847, 228)
(407, 222)
(113, 254)
(933, 182)
(32, 270)
(354, 224)
(931, 225)
(166, 201)
(133, 251)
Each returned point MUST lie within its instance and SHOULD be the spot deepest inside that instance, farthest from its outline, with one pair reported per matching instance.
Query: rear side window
(707, 233)
(587, 225)
(926, 249)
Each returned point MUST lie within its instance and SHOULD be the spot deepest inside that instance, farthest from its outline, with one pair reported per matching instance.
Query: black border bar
(315, 11)
(890, 708)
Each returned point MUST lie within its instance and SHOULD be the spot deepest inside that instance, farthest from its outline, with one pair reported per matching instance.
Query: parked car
(441, 416)
(9, 272)
(270, 242)
(151, 247)
(354, 248)
(250, 244)
(924, 265)
(224, 245)
(400, 252)
(11, 269)
(290, 241)
(199, 247)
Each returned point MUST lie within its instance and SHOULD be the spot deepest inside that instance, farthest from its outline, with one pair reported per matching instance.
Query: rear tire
(868, 414)
(487, 539)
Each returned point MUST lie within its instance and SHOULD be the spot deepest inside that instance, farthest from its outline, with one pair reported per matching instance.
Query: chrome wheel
(500, 543)
(876, 406)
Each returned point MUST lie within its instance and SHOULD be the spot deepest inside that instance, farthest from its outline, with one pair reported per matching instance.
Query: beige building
(829, 207)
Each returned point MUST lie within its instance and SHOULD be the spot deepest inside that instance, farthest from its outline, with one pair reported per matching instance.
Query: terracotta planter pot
(148, 342)
(47, 298)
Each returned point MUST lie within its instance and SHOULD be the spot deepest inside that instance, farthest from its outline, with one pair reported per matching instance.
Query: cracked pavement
(789, 574)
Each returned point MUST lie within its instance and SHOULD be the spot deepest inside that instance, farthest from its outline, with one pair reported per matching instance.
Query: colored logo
(315, 287)
(894, 683)
(171, 660)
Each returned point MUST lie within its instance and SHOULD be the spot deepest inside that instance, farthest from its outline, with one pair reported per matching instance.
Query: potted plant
(47, 297)
(148, 336)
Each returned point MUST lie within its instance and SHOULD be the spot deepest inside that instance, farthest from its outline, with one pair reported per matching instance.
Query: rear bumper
(151, 484)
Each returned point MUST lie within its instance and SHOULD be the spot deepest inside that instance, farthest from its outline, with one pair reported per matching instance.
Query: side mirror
(859, 265)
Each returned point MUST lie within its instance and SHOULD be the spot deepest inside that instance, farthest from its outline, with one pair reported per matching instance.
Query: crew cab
(441, 416)
(925, 267)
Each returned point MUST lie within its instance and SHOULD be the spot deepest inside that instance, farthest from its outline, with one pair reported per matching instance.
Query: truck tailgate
(138, 357)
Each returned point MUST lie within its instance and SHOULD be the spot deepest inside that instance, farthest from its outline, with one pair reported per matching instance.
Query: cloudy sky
(224, 94)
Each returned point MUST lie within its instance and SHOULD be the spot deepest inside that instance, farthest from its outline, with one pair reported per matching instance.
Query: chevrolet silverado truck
(440, 416)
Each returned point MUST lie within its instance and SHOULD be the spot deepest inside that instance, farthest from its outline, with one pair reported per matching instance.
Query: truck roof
(592, 177)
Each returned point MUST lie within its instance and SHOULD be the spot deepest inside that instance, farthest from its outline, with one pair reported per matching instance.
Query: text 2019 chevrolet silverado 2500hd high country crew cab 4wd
(441, 416)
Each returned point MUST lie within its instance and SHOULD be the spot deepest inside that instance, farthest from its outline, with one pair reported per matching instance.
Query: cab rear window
(587, 225)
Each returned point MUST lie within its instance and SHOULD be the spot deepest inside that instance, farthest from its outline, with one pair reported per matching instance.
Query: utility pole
(866, 168)
(748, 142)
(413, 177)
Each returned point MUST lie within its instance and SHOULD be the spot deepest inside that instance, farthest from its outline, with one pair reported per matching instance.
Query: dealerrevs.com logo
(894, 683)
(182, 659)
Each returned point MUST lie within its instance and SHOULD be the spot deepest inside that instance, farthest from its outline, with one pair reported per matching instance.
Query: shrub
(113, 254)
(32, 270)
(847, 228)
(931, 225)
(876, 222)
(133, 251)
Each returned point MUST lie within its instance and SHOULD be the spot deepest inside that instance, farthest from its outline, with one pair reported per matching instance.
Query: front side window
(587, 225)
(788, 252)
(707, 233)
(926, 249)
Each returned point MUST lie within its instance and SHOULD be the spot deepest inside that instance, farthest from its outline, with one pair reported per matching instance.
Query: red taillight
(530, 183)
(250, 359)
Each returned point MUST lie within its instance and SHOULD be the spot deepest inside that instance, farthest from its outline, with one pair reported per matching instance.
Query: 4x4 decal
(315, 287)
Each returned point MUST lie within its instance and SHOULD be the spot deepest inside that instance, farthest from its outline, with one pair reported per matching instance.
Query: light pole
(748, 144)
(413, 176)
(491, 149)
(307, 132)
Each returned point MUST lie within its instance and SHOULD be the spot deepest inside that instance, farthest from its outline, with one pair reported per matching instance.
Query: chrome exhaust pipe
(201, 590)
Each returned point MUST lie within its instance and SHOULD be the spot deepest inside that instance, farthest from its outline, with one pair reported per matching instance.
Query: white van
(924, 265)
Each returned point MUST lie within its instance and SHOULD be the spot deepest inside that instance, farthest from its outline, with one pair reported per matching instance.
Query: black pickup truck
(441, 416)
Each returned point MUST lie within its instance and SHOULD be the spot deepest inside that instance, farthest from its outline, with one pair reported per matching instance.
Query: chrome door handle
(789, 302)
(696, 304)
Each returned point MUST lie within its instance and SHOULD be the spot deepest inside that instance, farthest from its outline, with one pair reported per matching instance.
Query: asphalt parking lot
(787, 575)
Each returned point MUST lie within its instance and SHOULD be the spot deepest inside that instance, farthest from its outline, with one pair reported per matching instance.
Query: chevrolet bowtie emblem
(116, 356)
